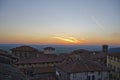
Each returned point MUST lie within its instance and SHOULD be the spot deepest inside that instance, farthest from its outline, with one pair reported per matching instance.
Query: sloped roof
(89, 54)
(3, 51)
(47, 48)
(80, 65)
(9, 72)
(41, 59)
(24, 48)
(43, 70)
(45, 78)
(115, 55)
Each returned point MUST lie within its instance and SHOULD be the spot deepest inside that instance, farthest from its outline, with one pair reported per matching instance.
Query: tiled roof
(46, 78)
(41, 59)
(9, 72)
(24, 48)
(46, 48)
(38, 70)
(43, 70)
(89, 54)
(115, 55)
(80, 65)
(3, 51)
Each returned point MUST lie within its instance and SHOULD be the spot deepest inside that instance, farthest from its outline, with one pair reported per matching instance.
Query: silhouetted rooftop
(47, 48)
(24, 48)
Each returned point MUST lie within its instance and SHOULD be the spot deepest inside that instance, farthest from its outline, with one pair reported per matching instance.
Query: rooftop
(115, 55)
(46, 78)
(80, 65)
(5, 53)
(90, 55)
(46, 48)
(9, 72)
(44, 70)
(41, 59)
(24, 48)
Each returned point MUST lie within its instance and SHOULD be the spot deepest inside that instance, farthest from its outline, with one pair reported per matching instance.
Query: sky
(78, 22)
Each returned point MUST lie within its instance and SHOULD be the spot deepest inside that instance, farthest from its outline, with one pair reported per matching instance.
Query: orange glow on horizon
(23, 39)
(69, 39)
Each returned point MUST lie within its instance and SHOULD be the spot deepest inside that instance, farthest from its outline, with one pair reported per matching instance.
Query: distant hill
(114, 50)
(62, 48)
(58, 48)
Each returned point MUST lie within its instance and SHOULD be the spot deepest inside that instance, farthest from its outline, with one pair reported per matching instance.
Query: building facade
(7, 70)
(49, 50)
(36, 65)
(24, 52)
(81, 70)
(113, 63)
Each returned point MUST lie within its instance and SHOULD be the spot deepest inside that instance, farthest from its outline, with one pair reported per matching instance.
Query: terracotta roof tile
(38, 70)
(115, 55)
(46, 78)
(9, 72)
(44, 70)
(3, 51)
(24, 48)
(81, 65)
(89, 54)
(43, 58)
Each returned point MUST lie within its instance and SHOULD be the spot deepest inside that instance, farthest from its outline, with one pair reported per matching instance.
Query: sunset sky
(60, 22)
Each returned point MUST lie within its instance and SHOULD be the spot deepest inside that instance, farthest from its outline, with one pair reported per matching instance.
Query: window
(88, 77)
(114, 68)
(110, 66)
(92, 71)
(20, 55)
(99, 73)
(74, 75)
(117, 60)
(25, 54)
(93, 77)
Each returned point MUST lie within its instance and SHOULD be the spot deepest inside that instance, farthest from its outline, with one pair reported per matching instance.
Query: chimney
(105, 48)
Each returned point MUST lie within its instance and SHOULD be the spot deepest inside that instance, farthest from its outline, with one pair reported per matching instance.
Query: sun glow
(68, 39)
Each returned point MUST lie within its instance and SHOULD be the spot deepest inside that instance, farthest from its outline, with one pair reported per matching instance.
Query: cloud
(98, 23)
(68, 39)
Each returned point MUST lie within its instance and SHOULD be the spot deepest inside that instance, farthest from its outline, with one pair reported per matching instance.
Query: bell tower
(105, 48)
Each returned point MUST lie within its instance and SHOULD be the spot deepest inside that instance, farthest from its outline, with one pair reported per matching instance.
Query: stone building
(7, 70)
(105, 48)
(35, 64)
(7, 58)
(49, 50)
(113, 63)
(24, 52)
(44, 60)
(79, 69)
(91, 55)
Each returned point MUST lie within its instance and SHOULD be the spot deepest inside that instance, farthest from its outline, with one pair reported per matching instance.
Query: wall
(89, 76)
(62, 75)
(114, 64)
